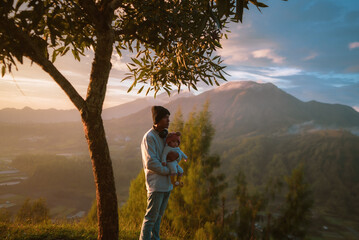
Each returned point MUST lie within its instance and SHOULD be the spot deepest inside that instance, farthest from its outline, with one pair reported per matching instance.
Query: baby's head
(173, 139)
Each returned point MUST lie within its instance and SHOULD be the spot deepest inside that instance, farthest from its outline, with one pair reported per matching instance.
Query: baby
(173, 141)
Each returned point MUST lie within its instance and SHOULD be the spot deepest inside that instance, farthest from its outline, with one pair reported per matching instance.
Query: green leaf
(133, 84)
(118, 50)
(216, 82)
(259, 4)
(3, 69)
(168, 92)
(143, 72)
(136, 61)
(126, 78)
(54, 54)
(139, 91)
(65, 51)
(217, 44)
(239, 10)
(76, 54)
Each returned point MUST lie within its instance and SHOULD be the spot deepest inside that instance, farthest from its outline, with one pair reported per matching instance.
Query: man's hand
(164, 164)
(172, 156)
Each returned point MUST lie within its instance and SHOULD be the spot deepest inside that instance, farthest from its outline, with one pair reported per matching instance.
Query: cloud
(232, 52)
(269, 54)
(73, 73)
(280, 72)
(257, 76)
(311, 37)
(310, 56)
(234, 55)
(118, 64)
(353, 45)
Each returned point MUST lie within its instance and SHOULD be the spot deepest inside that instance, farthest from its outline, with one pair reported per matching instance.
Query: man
(158, 181)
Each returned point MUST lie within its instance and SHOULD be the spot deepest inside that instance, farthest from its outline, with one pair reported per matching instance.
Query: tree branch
(114, 4)
(35, 48)
(91, 10)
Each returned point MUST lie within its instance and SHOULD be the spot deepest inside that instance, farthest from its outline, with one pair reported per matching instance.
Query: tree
(135, 207)
(195, 208)
(5, 215)
(295, 215)
(248, 207)
(282, 219)
(91, 217)
(36, 212)
(175, 43)
(24, 214)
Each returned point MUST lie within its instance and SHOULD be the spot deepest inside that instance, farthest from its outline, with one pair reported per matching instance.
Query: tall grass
(70, 231)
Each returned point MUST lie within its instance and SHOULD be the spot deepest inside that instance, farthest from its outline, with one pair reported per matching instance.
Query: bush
(36, 212)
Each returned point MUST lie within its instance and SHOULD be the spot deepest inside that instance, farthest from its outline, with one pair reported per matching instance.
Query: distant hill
(141, 103)
(29, 115)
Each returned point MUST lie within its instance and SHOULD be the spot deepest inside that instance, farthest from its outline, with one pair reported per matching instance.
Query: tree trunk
(107, 210)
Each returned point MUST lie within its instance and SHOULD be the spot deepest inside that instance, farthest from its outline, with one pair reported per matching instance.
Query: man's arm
(164, 155)
(153, 162)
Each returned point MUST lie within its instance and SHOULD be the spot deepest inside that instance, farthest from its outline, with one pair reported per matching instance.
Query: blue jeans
(156, 205)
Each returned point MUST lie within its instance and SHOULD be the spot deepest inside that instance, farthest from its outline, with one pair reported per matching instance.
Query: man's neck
(158, 129)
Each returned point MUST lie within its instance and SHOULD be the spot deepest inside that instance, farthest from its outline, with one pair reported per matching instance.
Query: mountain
(141, 103)
(250, 108)
(29, 115)
(238, 109)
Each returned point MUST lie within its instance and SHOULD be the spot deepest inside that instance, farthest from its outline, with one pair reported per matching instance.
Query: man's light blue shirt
(157, 176)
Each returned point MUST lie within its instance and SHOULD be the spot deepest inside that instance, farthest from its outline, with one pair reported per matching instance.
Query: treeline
(330, 160)
(199, 209)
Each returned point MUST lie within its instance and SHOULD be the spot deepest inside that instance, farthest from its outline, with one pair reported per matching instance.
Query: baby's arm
(184, 156)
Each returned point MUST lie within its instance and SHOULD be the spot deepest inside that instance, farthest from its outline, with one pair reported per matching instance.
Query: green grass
(47, 231)
(64, 231)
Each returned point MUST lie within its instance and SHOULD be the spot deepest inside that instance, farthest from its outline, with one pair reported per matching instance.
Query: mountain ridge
(53, 115)
(246, 107)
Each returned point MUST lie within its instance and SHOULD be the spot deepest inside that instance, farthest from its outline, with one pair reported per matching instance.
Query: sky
(308, 48)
